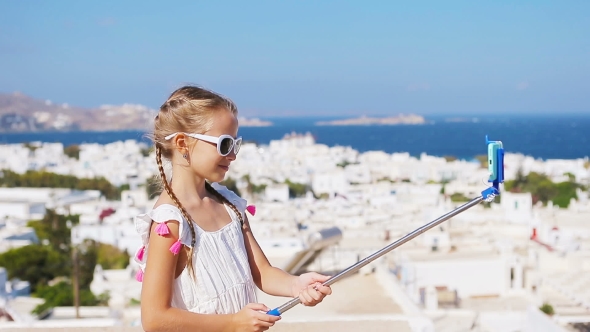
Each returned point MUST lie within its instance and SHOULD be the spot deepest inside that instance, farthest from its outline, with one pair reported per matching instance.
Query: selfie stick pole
(495, 166)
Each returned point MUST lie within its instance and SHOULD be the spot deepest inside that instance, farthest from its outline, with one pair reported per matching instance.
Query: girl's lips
(226, 168)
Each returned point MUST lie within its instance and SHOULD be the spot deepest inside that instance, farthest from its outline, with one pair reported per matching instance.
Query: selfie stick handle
(487, 195)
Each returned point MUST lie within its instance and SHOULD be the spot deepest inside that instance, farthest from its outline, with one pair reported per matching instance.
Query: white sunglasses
(225, 143)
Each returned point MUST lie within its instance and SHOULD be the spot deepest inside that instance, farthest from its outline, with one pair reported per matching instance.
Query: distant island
(253, 122)
(460, 119)
(369, 121)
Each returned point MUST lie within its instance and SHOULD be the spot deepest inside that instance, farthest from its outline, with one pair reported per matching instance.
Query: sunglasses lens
(238, 145)
(226, 145)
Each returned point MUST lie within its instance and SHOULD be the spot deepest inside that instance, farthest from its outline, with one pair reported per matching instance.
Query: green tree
(147, 151)
(30, 146)
(62, 294)
(111, 257)
(458, 197)
(258, 188)
(547, 309)
(41, 263)
(565, 192)
(322, 196)
(231, 185)
(55, 229)
(72, 151)
(37, 264)
(520, 180)
(543, 189)
(345, 163)
(296, 189)
(42, 179)
(101, 184)
(253, 188)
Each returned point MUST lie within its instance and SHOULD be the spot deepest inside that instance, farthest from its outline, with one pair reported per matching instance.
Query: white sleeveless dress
(223, 281)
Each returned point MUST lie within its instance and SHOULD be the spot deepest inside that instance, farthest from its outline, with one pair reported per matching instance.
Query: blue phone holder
(495, 169)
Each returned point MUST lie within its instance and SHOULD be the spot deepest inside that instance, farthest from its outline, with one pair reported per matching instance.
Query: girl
(200, 262)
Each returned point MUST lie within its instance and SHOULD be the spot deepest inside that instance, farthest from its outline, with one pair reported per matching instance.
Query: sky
(304, 58)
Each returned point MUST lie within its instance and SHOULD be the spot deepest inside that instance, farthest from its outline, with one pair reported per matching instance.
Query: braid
(179, 205)
(224, 200)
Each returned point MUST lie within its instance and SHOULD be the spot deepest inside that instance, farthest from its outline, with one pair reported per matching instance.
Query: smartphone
(495, 161)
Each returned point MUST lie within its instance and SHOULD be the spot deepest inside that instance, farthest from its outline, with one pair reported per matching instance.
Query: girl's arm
(157, 314)
(274, 281)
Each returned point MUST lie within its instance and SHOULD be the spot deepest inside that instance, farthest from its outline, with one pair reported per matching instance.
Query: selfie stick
(496, 170)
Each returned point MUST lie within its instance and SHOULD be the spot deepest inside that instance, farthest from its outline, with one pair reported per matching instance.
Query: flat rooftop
(357, 295)
(461, 254)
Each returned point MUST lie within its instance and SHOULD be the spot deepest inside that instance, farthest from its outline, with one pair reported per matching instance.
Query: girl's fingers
(318, 277)
(266, 324)
(325, 290)
(315, 293)
(258, 307)
(267, 318)
(322, 278)
(306, 299)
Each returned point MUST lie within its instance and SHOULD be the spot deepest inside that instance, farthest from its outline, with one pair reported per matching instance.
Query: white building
(518, 207)
(330, 183)
(119, 284)
(276, 193)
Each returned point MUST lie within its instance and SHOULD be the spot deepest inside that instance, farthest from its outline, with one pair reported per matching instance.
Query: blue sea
(540, 136)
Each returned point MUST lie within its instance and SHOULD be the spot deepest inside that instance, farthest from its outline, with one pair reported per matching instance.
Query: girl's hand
(308, 287)
(253, 318)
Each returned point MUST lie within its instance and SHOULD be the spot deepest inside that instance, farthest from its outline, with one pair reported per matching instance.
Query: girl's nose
(231, 155)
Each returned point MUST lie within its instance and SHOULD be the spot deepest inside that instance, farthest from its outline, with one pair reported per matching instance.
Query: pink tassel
(140, 254)
(175, 249)
(251, 209)
(139, 275)
(162, 229)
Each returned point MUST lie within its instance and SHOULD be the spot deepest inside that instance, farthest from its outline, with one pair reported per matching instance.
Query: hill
(22, 113)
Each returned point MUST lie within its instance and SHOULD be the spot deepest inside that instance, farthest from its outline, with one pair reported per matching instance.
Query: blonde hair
(188, 109)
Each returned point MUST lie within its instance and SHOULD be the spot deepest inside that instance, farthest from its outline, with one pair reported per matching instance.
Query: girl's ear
(181, 143)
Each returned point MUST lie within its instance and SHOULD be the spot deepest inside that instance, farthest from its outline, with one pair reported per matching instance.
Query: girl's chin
(216, 177)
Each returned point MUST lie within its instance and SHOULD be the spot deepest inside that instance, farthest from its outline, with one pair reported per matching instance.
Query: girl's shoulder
(162, 214)
(231, 196)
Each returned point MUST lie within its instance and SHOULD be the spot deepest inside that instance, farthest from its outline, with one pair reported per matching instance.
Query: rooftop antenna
(496, 176)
